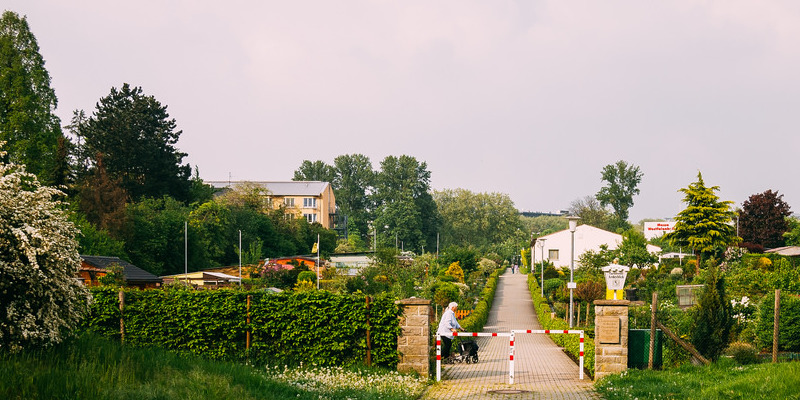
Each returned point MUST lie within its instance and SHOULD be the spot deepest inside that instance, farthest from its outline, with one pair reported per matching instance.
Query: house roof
(132, 273)
(281, 188)
(786, 251)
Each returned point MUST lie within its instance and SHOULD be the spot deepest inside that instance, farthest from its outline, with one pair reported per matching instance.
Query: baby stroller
(468, 350)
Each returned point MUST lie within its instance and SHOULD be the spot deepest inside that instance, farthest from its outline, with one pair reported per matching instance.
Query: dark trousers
(446, 344)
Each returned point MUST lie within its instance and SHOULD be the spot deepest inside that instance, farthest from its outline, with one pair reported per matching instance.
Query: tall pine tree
(137, 139)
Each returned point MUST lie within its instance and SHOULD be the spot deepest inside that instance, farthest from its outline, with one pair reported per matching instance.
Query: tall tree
(477, 219)
(762, 220)
(591, 212)
(705, 224)
(28, 123)
(353, 185)
(40, 300)
(314, 171)
(621, 185)
(404, 179)
(137, 139)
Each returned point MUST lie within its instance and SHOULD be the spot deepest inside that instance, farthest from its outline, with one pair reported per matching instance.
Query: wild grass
(722, 380)
(95, 368)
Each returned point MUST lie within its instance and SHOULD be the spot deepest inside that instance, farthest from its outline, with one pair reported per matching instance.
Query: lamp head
(573, 222)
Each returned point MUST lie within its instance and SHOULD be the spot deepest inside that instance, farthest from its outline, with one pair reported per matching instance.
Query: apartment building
(312, 200)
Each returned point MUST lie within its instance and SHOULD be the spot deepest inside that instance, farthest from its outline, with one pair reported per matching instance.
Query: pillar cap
(612, 302)
(413, 301)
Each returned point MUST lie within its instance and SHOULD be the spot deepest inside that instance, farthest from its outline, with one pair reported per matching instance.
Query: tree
(40, 300)
(792, 235)
(633, 250)
(478, 219)
(705, 224)
(137, 139)
(314, 171)
(154, 238)
(28, 123)
(403, 201)
(622, 181)
(591, 212)
(712, 320)
(353, 184)
(762, 220)
(102, 200)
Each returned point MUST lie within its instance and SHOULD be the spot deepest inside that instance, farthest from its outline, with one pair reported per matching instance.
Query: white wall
(586, 238)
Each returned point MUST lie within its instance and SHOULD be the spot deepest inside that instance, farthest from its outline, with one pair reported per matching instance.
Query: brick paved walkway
(541, 370)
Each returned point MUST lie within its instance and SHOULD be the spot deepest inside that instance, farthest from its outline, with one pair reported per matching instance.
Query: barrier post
(438, 358)
(511, 359)
(580, 373)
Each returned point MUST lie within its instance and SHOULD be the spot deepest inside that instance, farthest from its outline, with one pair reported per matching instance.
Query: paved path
(542, 370)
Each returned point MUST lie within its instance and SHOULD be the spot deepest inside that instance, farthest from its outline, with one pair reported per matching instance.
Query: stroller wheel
(475, 358)
(468, 360)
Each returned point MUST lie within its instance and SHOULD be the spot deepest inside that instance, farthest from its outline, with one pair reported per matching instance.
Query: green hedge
(286, 328)
(570, 343)
(789, 322)
(477, 319)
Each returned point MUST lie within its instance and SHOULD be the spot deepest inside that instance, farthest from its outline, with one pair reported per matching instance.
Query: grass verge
(95, 368)
(721, 380)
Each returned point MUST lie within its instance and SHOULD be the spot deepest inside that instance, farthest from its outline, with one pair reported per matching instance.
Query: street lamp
(541, 248)
(573, 223)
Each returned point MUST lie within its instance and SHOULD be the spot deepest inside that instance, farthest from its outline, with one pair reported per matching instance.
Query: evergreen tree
(712, 320)
(28, 123)
(137, 139)
(705, 224)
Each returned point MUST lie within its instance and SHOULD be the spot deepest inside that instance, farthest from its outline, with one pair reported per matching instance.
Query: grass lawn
(722, 380)
(95, 368)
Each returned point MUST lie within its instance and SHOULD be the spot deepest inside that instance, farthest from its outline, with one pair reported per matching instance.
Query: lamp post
(541, 248)
(573, 224)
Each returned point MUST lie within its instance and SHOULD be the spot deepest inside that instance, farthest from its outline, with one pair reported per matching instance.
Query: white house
(557, 245)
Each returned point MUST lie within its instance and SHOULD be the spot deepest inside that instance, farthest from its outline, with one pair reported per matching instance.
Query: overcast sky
(527, 98)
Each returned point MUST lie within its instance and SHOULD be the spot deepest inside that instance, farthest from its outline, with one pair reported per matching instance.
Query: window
(310, 217)
(309, 202)
(288, 201)
(552, 254)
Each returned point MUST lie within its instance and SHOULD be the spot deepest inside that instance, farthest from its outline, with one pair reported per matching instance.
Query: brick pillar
(413, 342)
(610, 337)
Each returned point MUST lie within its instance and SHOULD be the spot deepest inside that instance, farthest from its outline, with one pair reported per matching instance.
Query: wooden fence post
(653, 308)
(247, 340)
(121, 320)
(776, 325)
(369, 342)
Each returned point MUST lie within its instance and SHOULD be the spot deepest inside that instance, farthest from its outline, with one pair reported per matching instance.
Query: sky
(527, 98)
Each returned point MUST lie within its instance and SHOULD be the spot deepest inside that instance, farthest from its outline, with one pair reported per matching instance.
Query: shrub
(713, 319)
(307, 276)
(789, 335)
(742, 353)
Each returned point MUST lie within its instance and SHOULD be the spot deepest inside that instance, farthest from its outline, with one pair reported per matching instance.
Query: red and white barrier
(565, 331)
(511, 347)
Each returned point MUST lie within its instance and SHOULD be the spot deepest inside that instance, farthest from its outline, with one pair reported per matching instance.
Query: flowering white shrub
(40, 299)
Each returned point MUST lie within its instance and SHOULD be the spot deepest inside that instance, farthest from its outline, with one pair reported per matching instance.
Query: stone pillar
(610, 337)
(413, 343)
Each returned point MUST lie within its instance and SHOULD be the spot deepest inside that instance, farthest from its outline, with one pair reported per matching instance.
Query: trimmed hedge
(570, 343)
(286, 328)
(475, 321)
